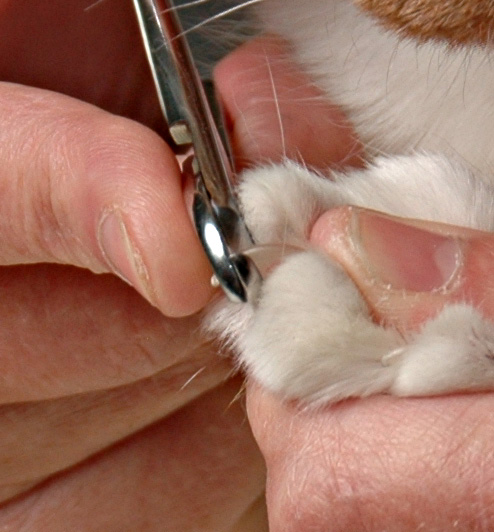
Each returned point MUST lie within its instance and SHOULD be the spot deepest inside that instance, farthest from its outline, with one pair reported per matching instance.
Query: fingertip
(268, 414)
(405, 271)
(173, 276)
(332, 225)
(276, 111)
(187, 287)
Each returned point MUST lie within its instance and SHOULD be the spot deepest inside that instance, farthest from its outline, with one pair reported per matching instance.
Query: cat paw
(279, 202)
(310, 335)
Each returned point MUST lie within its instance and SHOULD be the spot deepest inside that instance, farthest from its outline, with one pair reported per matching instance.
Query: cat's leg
(281, 201)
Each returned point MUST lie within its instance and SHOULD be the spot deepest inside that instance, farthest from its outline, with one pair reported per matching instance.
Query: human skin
(102, 426)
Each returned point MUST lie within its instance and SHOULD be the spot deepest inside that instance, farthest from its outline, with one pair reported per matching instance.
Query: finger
(275, 111)
(85, 424)
(170, 476)
(65, 331)
(379, 464)
(408, 270)
(82, 187)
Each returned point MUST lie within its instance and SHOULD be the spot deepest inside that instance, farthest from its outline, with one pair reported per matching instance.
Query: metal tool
(219, 223)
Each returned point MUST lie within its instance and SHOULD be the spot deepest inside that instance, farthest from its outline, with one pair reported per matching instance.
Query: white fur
(311, 336)
(400, 96)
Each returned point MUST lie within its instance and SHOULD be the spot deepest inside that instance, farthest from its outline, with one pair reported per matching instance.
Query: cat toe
(453, 352)
(311, 336)
(279, 202)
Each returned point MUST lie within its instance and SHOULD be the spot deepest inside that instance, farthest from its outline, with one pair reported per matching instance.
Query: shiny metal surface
(218, 219)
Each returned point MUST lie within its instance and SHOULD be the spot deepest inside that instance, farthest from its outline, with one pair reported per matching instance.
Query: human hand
(108, 490)
(386, 463)
(92, 372)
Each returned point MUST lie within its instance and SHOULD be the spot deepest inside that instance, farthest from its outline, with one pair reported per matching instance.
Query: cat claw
(393, 356)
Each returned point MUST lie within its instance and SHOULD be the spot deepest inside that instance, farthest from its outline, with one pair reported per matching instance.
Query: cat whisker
(238, 396)
(92, 5)
(276, 100)
(192, 3)
(191, 378)
(218, 16)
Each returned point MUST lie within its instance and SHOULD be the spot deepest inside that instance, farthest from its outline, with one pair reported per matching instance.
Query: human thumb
(408, 269)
